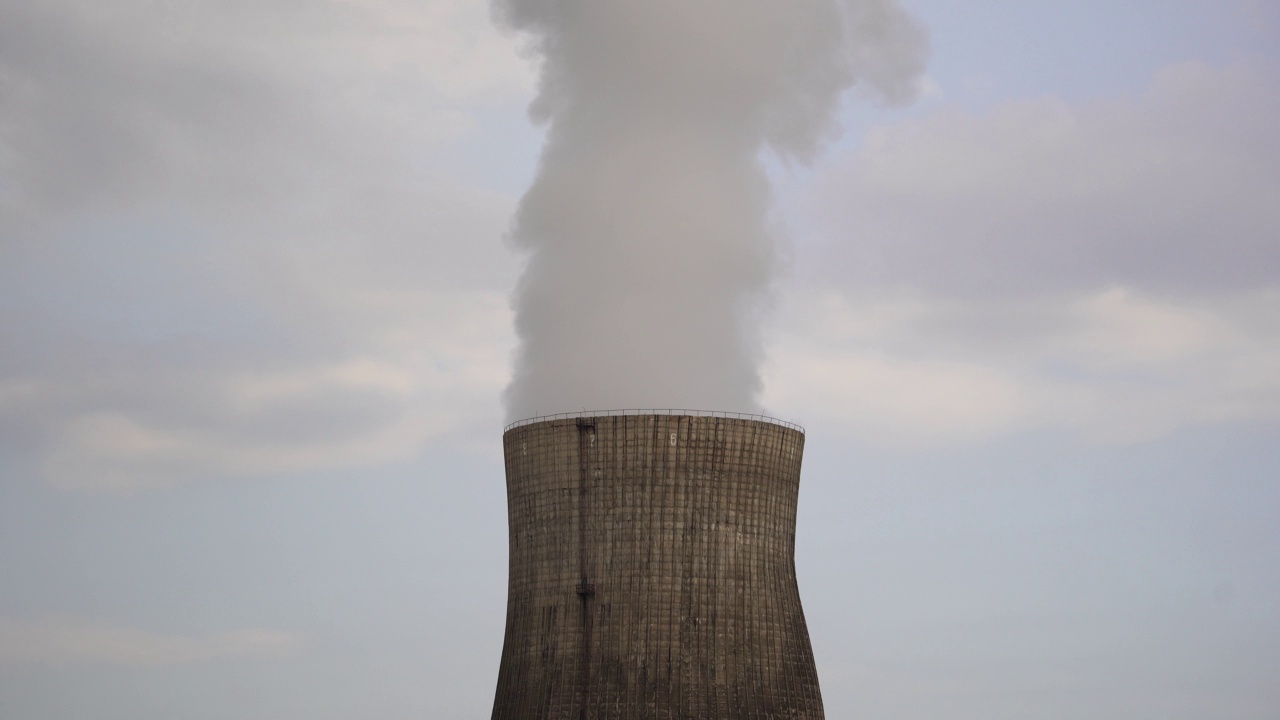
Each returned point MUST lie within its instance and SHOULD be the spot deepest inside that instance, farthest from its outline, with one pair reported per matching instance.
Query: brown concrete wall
(652, 572)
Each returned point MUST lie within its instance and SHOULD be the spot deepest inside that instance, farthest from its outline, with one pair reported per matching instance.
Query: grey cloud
(102, 108)
(200, 197)
(62, 642)
(650, 247)
(1112, 366)
(1104, 268)
(1173, 190)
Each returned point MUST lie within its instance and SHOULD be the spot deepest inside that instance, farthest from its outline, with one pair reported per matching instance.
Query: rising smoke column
(650, 254)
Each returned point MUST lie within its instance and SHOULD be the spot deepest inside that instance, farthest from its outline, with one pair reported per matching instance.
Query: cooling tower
(653, 570)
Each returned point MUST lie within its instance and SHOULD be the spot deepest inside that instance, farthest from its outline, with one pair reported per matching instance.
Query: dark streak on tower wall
(652, 571)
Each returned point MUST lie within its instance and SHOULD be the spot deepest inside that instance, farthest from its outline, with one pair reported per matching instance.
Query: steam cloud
(650, 253)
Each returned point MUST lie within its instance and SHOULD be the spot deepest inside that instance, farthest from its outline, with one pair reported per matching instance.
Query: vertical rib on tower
(652, 571)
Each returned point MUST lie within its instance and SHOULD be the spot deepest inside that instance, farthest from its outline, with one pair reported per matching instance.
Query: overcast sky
(256, 322)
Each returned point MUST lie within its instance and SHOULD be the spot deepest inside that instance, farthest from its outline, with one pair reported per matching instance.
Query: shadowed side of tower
(652, 571)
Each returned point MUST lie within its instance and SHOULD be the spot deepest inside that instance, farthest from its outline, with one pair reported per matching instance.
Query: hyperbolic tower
(653, 570)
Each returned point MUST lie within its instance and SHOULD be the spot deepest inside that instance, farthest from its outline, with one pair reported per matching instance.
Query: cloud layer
(65, 642)
(1108, 269)
(1113, 366)
(231, 250)
(232, 241)
(1171, 190)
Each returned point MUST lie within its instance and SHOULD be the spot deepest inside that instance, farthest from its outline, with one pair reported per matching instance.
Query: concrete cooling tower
(653, 570)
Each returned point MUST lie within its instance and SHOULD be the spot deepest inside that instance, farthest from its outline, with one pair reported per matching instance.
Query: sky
(257, 271)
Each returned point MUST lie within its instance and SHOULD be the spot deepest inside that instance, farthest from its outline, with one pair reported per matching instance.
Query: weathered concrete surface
(652, 572)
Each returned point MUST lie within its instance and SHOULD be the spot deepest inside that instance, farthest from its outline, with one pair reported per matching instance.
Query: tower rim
(674, 412)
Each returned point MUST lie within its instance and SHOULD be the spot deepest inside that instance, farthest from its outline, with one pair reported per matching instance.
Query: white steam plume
(650, 254)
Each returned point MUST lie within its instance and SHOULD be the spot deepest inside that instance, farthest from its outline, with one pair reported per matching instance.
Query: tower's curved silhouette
(652, 570)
